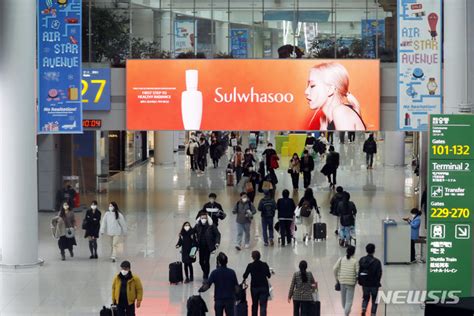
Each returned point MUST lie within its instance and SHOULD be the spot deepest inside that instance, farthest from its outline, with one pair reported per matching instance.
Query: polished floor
(156, 200)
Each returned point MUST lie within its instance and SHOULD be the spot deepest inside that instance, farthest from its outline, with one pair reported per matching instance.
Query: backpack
(196, 306)
(268, 208)
(305, 209)
(364, 276)
(274, 162)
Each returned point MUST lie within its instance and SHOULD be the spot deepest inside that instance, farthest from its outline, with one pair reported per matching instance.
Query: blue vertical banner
(239, 39)
(59, 66)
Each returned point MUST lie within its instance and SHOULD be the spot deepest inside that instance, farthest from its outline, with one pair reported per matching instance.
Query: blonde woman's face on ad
(316, 93)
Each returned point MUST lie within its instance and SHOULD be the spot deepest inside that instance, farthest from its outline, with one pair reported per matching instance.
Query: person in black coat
(91, 224)
(286, 212)
(208, 238)
(213, 209)
(347, 212)
(188, 242)
(330, 168)
(370, 149)
(202, 154)
(306, 166)
(259, 288)
(214, 152)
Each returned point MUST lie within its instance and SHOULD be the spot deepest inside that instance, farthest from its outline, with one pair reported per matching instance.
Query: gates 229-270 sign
(253, 94)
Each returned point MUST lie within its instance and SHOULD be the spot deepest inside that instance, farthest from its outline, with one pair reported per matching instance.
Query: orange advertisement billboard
(226, 94)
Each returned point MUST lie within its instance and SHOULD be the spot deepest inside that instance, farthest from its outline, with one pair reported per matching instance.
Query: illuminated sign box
(96, 89)
(253, 94)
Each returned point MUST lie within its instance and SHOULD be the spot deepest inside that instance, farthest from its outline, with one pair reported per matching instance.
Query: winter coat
(210, 235)
(112, 226)
(91, 223)
(370, 146)
(187, 240)
(240, 209)
(286, 208)
(306, 164)
(215, 216)
(267, 207)
(295, 165)
(134, 289)
(335, 202)
(347, 211)
(332, 163)
(346, 270)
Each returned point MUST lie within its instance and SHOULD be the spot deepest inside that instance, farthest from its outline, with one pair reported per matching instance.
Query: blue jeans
(241, 229)
(224, 305)
(345, 232)
(267, 227)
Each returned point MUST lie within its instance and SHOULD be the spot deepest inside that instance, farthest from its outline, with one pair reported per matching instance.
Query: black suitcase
(241, 309)
(176, 272)
(315, 308)
(106, 311)
(320, 231)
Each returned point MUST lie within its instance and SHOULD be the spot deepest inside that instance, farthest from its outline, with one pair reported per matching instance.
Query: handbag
(316, 296)
(290, 171)
(84, 224)
(270, 291)
(249, 187)
(70, 232)
(337, 287)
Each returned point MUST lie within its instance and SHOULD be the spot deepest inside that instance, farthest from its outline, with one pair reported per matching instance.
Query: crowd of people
(281, 214)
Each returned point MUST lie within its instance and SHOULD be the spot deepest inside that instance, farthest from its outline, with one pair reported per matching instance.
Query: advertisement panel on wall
(184, 37)
(449, 194)
(253, 94)
(419, 63)
(59, 67)
(96, 89)
(239, 41)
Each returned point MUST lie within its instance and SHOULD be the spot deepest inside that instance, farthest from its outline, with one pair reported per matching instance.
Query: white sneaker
(247, 246)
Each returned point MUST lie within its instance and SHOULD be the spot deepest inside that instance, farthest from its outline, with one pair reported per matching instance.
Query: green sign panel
(450, 203)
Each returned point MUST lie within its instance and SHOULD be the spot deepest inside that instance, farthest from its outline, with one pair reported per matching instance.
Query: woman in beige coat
(346, 270)
(64, 228)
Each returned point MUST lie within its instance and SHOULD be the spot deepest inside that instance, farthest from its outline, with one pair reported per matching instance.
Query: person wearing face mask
(252, 178)
(294, 170)
(268, 154)
(306, 166)
(114, 226)
(91, 224)
(127, 291)
(245, 210)
(414, 221)
(213, 209)
(188, 242)
(208, 240)
(64, 226)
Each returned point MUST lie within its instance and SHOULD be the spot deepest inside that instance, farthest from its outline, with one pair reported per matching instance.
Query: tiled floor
(158, 199)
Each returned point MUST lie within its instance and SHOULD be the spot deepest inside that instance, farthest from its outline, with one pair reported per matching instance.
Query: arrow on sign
(462, 232)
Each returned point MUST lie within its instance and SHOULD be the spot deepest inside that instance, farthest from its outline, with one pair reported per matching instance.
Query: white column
(245, 140)
(18, 171)
(394, 150)
(162, 29)
(455, 55)
(222, 37)
(164, 141)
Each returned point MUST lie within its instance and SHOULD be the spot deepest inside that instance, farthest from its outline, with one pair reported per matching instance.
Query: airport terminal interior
(113, 101)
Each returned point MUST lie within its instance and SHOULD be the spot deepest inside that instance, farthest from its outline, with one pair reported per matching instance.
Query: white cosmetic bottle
(191, 102)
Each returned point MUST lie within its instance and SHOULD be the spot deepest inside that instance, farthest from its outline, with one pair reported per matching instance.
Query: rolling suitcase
(230, 179)
(176, 272)
(320, 231)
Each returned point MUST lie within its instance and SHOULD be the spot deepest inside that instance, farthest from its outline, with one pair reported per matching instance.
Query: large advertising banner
(59, 67)
(450, 204)
(253, 94)
(419, 63)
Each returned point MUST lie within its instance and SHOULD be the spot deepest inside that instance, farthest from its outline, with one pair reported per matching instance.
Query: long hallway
(156, 200)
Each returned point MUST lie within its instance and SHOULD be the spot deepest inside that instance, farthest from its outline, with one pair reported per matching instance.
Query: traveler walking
(330, 137)
(270, 156)
(259, 288)
(301, 291)
(213, 209)
(346, 271)
(370, 149)
(414, 222)
(91, 224)
(330, 168)
(127, 291)
(370, 274)
(267, 208)
(286, 213)
(192, 152)
(188, 243)
(342, 136)
(202, 154)
(347, 212)
(215, 152)
(208, 239)
(294, 170)
(245, 210)
(338, 197)
(113, 225)
(351, 136)
(225, 283)
(64, 227)
(249, 159)
(238, 163)
(306, 166)
(307, 207)
(250, 184)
